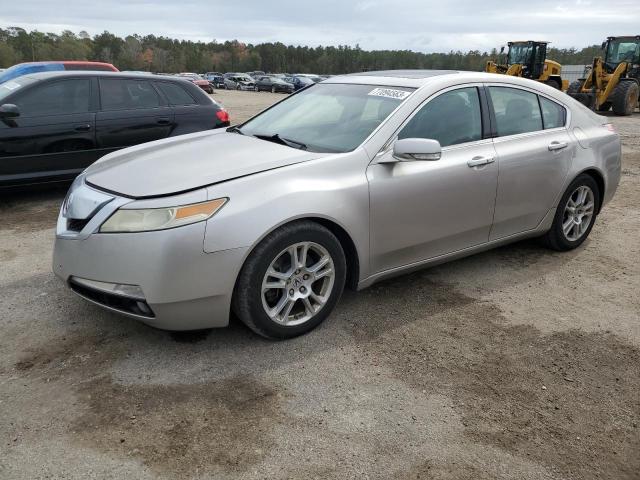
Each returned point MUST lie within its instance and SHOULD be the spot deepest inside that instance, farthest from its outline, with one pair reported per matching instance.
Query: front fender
(333, 188)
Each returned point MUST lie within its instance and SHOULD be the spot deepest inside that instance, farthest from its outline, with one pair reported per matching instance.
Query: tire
(237, 87)
(273, 89)
(552, 82)
(624, 98)
(559, 239)
(256, 89)
(605, 107)
(574, 87)
(249, 302)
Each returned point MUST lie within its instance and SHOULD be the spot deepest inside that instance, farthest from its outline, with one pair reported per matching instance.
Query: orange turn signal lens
(204, 209)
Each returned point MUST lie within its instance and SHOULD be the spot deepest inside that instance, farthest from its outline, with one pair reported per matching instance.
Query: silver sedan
(352, 180)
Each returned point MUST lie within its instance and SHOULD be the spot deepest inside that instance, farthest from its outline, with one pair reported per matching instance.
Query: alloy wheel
(578, 213)
(298, 283)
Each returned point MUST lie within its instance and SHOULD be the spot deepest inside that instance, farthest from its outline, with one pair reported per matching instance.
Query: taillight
(610, 127)
(222, 115)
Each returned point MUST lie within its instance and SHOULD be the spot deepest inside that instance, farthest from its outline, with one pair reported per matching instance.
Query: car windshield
(327, 117)
(623, 51)
(519, 53)
(12, 86)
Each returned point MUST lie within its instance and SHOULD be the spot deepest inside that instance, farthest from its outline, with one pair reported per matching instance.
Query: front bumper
(185, 288)
(168, 271)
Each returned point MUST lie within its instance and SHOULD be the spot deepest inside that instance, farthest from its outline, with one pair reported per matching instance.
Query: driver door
(423, 209)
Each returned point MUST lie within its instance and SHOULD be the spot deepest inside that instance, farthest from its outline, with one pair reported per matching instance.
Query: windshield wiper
(235, 129)
(275, 138)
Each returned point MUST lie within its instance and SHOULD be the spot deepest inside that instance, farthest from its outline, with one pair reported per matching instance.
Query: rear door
(534, 152)
(131, 112)
(189, 115)
(54, 136)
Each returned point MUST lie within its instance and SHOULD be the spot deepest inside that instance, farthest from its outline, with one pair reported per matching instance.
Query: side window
(175, 94)
(517, 111)
(553, 115)
(121, 94)
(451, 118)
(58, 98)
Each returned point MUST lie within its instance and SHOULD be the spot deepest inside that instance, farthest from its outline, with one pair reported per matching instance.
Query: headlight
(146, 219)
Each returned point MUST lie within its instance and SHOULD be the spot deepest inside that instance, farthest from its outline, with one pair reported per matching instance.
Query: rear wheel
(624, 98)
(605, 107)
(574, 87)
(575, 215)
(552, 82)
(291, 281)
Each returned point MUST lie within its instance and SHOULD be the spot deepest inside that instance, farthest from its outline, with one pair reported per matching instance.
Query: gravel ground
(519, 363)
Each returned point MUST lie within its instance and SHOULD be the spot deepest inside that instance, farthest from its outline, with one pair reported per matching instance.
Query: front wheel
(575, 215)
(291, 281)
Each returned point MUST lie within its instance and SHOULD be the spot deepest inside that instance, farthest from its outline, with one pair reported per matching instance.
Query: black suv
(54, 124)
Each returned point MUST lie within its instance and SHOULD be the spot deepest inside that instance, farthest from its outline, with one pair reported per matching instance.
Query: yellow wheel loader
(529, 59)
(612, 83)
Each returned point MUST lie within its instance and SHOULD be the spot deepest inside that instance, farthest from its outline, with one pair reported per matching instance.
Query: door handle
(163, 121)
(553, 146)
(477, 161)
(82, 128)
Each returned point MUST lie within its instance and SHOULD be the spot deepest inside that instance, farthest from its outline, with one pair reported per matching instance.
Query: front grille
(76, 224)
(116, 302)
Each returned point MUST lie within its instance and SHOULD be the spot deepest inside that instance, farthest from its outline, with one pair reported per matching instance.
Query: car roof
(40, 76)
(419, 78)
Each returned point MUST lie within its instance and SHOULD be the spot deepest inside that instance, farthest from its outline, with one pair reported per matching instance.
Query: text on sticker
(389, 93)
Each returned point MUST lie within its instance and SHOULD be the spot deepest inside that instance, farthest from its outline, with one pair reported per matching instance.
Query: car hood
(188, 162)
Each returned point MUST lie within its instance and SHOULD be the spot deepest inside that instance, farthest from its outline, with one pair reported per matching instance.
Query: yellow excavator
(612, 83)
(528, 59)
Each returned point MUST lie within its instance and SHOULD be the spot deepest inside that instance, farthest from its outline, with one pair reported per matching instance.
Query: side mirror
(9, 110)
(421, 149)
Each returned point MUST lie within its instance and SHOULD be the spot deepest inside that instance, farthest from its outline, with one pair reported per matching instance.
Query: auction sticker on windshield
(389, 93)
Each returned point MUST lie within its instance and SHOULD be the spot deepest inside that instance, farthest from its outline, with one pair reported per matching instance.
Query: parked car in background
(299, 82)
(215, 79)
(218, 82)
(55, 124)
(357, 179)
(273, 85)
(53, 66)
(315, 78)
(197, 80)
(256, 74)
(241, 81)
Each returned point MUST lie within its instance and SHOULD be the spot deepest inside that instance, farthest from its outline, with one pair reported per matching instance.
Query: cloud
(421, 25)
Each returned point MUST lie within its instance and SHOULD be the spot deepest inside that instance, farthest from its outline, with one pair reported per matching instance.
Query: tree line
(167, 55)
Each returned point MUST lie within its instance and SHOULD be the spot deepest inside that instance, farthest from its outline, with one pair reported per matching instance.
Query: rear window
(175, 94)
(124, 94)
(553, 115)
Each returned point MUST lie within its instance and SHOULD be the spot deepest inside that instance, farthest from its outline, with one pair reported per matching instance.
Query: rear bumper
(183, 287)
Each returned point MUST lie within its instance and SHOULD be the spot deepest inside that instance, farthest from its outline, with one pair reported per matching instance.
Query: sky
(419, 25)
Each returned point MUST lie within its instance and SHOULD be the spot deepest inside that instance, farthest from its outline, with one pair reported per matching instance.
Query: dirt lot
(518, 363)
